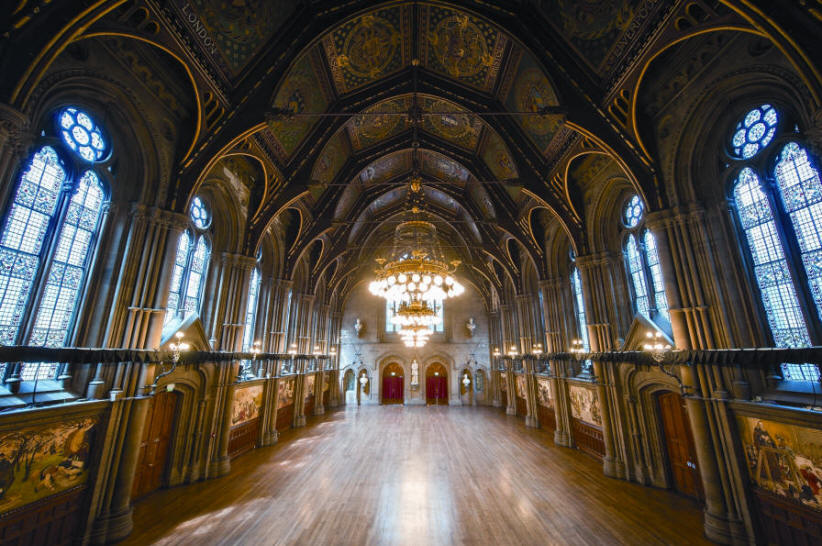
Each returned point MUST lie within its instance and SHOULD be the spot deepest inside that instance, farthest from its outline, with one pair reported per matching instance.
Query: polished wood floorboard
(416, 475)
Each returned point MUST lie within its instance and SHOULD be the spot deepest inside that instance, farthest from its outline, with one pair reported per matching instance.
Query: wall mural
(497, 157)
(369, 47)
(784, 459)
(39, 461)
(585, 404)
(232, 32)
(461, 46)
(592, 26)
(285, 396)
(308, 386)
(301, 91)
(530, 91)
(246, 404)
(382, 123)
(520, 383)
(544, 392)
(331, 160)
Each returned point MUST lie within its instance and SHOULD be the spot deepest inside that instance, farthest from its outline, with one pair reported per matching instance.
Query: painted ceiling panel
(497, 157)
(592, 26)
(332, 158)
(454, 126)
(461, 46)
(301, 91)
(386, 168)
(529, 91)
(370, 47)
(443, 168)
(379, 122)
(231, 33)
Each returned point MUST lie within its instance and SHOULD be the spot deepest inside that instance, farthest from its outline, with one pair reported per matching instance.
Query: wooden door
(680, 445)
(153, 455)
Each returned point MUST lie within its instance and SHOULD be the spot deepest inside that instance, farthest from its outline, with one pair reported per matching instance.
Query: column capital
(589, 261)
(242, 261)
(814, 134)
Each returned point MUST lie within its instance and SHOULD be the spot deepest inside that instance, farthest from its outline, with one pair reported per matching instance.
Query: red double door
(436, 389)
(392, 387)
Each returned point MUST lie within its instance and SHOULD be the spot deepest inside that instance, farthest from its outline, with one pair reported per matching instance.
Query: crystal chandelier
(417, 271)
(415, 313)
(415, 335)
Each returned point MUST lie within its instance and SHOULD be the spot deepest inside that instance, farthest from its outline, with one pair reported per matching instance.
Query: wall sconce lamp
(536, 349)
(577, 347)
(177, 347)
(513, 352)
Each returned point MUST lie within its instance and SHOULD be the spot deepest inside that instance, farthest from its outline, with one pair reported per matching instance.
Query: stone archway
(436, 384)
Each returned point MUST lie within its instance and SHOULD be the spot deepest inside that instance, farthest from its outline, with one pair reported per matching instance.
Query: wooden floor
(416, 475)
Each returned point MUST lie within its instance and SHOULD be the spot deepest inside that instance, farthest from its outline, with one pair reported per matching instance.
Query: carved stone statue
(358, 327)
(471, 325)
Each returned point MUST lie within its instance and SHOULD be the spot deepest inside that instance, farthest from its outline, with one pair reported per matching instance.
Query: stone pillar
(232, 274)
(136, 321)
(531, 420)
(690, 272)
(511, 380)
(559, 392)
(554, 292)
(319, 381)
(595, 282)
(220, 463)
(299, 394)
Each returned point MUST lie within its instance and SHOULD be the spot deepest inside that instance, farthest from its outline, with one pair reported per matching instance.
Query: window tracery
(190, 264)
(778, 211)
(48, 239)
(642, 262)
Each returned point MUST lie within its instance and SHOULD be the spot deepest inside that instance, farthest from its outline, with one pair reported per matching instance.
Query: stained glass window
(633, 212)
(652, 257)
(582, 323)
(24, 233)
(637, 275)
(180, 264)
(199, 213)
(754, 131)
(196, 276)
(251, 308)
(777, 289)
(81, 134)
(69, 264)
(801, 192)
(39, 371)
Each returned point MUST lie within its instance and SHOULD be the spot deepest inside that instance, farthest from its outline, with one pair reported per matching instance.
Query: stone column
(136, 321)
(229, 301)
(556, 314)
(531, 420)
(220, 463)
(511, 380)
(595, 282)
(690, 273)
(559, 392)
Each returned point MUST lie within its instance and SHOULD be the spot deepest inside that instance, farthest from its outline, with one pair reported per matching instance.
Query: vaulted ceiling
(329, 108)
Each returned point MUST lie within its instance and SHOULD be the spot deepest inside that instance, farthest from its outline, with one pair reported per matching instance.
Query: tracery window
(49, 235)
(579, 306)
(251, 308)
(642, 262)
(190, 264)
(778, 198)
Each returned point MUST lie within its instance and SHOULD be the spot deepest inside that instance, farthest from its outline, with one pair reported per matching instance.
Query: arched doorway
(436, 384)
(480, 386)
(349, 387)
(679, 443)
(466, 387)
(393, 383)
(158, 430)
